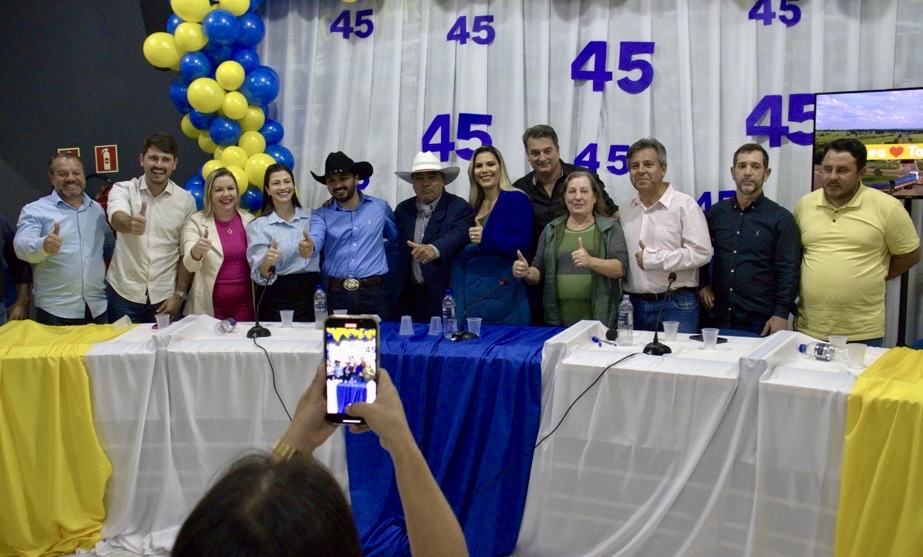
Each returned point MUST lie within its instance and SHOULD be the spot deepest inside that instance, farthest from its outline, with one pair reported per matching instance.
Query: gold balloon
(253, 120)
(252, 142)
(210, 167)
(160, 50)
(189, 36)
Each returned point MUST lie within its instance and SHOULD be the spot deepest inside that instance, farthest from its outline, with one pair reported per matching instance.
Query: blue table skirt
(348, 393)
(474, 408)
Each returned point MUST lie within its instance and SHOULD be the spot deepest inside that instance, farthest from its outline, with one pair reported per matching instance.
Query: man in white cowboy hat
(432, 229)
(351, 231)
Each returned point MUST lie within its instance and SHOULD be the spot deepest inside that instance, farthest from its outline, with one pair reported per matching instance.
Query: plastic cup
(319, 318)
(474, 325)
(840, 342)
(406, 326)
(710, 338)
(163, 320)
(340, 311)
(435, 325)
(669, 330)
(287, 316)
(856, 353)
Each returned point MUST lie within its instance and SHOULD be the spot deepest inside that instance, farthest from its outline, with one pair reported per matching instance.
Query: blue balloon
(173, 22)
(196, 186)
(281, 154)
(221, 27)
(194, 65)
(201, 120)
(251, 31)
(218, 53)
(178, 90)
(254, 4)
(224, 131)
(261, 86)
(252, 199)
(272, 131)
(246, 57)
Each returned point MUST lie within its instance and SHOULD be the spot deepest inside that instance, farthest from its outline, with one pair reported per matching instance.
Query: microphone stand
(460, 334)
(257, 330)
(657, 348)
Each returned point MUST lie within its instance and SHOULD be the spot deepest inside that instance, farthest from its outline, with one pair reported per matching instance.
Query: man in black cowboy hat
(432, 229)
(350, 232)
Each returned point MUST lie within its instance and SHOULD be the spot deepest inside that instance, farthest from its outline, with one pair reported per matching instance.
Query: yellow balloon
(230, 75)
(256, 168)
(189, 36)
(210, 167)
(253, 120)
(234, 156)
(236, 7)
(191, 10)
(205, 95)
(219, 150)
(252, 142)
(189, 130)
(160, 50)
(234, 105)
(241, 177)
(206, 143)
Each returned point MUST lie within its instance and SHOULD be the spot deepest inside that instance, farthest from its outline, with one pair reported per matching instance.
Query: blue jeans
(682, 306)
(138, 313)
(367, 300)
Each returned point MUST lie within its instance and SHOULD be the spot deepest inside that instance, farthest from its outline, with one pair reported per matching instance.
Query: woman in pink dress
(215, 249)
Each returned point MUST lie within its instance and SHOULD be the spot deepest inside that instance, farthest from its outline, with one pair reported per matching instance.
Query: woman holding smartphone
(215, 249)
(273, 242)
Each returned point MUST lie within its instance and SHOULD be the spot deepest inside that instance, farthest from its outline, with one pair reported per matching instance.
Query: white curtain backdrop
(375, 97)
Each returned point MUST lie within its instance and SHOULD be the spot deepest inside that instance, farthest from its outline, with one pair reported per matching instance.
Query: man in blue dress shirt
(66, 237)
(351, 232)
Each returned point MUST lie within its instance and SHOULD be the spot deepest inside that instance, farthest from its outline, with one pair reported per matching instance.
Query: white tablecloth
(687, 454)
(173, 408)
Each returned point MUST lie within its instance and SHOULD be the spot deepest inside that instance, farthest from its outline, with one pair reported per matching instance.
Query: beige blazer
(206, 270)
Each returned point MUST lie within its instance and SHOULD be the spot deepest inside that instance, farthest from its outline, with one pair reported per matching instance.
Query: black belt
(353, 284)
(659, 296)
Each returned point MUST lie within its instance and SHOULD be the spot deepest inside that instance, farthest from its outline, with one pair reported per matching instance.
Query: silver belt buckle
(351, 284)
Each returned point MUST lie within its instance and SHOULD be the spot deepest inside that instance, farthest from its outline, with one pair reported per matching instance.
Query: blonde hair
(476, 193)
(207, 209)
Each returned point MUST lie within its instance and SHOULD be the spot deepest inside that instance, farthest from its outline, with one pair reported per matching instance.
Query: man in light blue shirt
(66, 237)
(351, 233)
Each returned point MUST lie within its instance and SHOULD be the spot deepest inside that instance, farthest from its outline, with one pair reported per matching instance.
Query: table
(474, 409)
(728, 452)
(173, 408)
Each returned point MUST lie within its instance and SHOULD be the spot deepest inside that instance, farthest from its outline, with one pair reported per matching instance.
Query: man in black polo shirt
(753, 280)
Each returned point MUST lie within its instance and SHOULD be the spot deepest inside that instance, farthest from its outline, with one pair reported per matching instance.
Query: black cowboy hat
(339, 163)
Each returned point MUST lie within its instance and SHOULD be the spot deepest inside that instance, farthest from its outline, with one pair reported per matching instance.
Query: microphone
(257, 330)
(657, 348)
(468, 335)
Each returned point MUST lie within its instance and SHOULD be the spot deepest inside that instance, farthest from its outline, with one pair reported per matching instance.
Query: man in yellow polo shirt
(854, 239)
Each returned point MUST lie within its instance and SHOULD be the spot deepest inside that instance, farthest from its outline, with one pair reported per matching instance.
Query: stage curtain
(881, 492)
(53, 471)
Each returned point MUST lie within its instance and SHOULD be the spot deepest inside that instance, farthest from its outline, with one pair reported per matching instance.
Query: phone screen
(351, 348)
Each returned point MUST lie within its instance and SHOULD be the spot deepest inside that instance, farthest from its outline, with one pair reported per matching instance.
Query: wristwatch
(181, 294)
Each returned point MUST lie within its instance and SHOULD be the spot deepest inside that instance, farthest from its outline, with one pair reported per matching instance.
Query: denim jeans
(682, 306)
(138, 313)
(367, 300)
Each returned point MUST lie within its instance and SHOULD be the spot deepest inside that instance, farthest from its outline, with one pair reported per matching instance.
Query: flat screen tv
(890, 124)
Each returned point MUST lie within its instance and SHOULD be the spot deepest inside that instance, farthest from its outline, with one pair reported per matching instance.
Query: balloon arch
(222, 90)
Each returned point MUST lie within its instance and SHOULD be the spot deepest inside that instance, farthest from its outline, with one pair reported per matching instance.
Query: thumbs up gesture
(138, 223)
(475, 232)
(580, 256)
(272, 254)
(424, 253)
(520, 266)
(201, 247)
(52, 242)
(306, 246)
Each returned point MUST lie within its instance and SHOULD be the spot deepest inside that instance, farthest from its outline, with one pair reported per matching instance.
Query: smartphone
(351, 353)
(700, 339)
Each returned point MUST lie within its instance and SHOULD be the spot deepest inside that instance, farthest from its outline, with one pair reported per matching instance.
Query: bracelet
(282, 449)
(181, 294)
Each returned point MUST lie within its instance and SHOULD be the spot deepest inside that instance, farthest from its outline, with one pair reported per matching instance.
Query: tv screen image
(890, 124)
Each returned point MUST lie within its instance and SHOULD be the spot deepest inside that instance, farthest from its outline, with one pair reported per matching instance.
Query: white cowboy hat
(428, 162)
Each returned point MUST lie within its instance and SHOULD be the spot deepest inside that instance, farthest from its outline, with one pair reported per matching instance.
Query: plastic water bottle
(320, 307)
(448, 314)
(225, 326)
(821, 351)
(626, 324)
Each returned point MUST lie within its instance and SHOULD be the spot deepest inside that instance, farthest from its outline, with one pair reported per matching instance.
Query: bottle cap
(802, 348)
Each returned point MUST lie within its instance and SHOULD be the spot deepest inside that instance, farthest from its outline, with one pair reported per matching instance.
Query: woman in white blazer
(215, 249)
